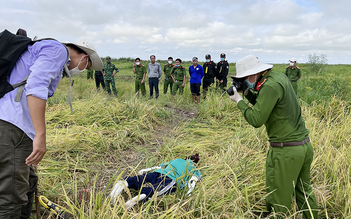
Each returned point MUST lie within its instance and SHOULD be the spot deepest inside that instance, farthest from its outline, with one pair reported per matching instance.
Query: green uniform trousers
(294, 85)
(287, 177)
(168, 82)
(176, 86)
(107, 85)
(90, 74)
(140, 86)
(15, 183)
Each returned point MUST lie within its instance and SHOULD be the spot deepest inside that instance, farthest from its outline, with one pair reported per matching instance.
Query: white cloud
(271, 29)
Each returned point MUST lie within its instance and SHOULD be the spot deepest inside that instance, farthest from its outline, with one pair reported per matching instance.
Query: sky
(273, 30)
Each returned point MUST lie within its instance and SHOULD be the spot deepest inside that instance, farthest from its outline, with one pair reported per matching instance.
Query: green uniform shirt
(275, 105)
(167, 69)
(293, 73)
(178, 73)
(140, 70)
(108, 70)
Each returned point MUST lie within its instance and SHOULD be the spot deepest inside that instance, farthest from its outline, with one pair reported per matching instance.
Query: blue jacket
(196, 74)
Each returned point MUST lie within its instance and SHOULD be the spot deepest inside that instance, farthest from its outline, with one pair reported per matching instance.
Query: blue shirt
(196, 74)
(43, 63)
(179, 170)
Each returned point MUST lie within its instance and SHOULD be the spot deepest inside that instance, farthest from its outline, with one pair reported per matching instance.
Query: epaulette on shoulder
(297, 67)
(259, 84)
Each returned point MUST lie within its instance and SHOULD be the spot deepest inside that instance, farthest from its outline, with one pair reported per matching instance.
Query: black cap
(222, 55)
(208, 56)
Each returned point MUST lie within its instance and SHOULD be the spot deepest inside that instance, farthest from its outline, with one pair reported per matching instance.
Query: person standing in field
(288, 162)
(196, 73)
(223, 68)
(168, 79)
(155, 72)
(99, 79)
(22, 121)
(140, 73)
(90, 74)
(210, 71)
(109, 76)
(293, 72)
(178, 75)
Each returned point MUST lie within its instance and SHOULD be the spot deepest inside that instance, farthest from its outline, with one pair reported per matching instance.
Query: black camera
(238, 83)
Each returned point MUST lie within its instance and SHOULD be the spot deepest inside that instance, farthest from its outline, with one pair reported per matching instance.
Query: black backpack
(11, 48)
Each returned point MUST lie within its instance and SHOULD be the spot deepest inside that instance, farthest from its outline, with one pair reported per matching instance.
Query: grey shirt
(154, 70)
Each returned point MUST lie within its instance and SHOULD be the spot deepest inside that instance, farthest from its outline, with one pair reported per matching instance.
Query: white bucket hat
(250, 65)
(96, 62)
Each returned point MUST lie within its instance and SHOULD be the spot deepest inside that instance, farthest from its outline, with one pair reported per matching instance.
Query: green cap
(108, 57)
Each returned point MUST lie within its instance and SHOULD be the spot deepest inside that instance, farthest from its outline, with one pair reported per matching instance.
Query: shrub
(317, 63)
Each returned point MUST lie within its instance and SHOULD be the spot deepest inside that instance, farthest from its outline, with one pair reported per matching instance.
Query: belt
(293, 80)
(153, 78)
(289, 144)
(178, 81)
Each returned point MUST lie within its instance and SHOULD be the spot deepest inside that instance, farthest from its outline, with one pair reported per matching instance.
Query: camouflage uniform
(178, 75)
(294, 74)
(140, 70)
(168, 79)
(108, 70)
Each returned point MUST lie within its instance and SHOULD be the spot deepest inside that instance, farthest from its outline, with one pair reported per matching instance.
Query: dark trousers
(153, 82)
(99, 79)
(15, 147)
(150, 183)
(206, 83)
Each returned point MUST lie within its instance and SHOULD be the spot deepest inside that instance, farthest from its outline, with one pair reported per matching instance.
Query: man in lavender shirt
(22, 124)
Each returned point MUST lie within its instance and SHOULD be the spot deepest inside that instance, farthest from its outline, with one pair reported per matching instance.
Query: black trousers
(99, 79)
(206, 83)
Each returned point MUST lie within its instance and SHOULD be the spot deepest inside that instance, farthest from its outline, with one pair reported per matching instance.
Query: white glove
(236, 97)
(141, 172)
(133, 201)
(192, 184)
(117, 189)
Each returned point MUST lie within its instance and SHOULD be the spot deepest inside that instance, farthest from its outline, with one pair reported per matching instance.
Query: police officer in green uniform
(210, 71)
(223, 68)
(90, 73)
(290, 154)
(168, 79)
(178, 75)
(107, 71)
(293, 72)
(140, 73)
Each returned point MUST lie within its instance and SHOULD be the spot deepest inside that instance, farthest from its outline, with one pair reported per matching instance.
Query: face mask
(137, 63)
(292, 64)
(222, 59)
(76, 71)
(207, 60)
(177, 65)
(249, 84)
(108, 62)
(169, 62)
